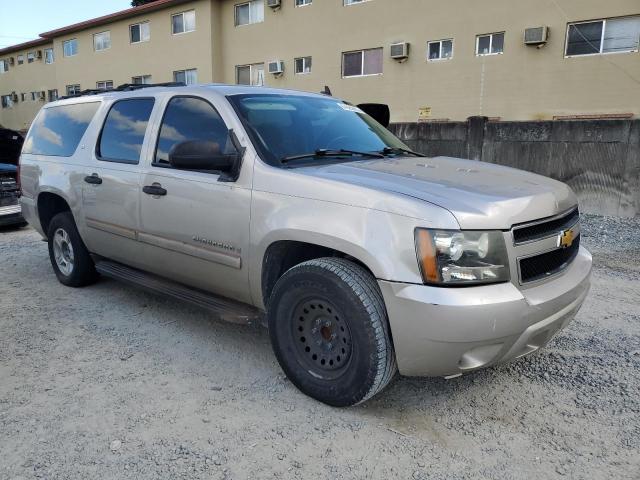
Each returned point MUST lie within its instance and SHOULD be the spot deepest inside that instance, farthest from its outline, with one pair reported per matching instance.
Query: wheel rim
(63, 252)
(321, 337)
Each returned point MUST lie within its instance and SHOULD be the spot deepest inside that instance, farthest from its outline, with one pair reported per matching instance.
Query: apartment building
(429, 60)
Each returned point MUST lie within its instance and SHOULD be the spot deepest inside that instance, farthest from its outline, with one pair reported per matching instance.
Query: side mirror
(378, 111)
(200, 155)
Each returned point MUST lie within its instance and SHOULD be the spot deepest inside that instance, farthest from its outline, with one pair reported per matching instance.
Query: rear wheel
(69, 257)
(329, 330)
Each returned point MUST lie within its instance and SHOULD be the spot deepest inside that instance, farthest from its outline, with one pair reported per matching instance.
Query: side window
(123, 131)
(189, 118)
(57, 131)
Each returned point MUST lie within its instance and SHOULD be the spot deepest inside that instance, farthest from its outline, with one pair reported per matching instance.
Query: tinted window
(124, 129)
(189, 118)
(58, 130)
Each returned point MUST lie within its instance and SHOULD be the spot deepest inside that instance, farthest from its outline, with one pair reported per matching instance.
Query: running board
(228, 310)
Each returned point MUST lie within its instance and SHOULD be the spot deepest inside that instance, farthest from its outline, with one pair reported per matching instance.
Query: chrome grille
(546, 264)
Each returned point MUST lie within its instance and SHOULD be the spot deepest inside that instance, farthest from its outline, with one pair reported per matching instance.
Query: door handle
(155, 190)
(93, 179)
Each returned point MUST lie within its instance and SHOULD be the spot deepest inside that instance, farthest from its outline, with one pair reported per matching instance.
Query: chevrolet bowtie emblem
(566, 238)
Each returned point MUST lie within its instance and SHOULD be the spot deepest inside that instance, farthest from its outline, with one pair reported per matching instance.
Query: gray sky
(23, 20)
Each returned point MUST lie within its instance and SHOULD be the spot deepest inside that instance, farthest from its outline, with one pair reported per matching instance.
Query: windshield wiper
(331, 153)
(396, 150)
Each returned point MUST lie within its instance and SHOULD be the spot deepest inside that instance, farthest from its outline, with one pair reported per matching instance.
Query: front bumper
(449, 331)
(11, 215)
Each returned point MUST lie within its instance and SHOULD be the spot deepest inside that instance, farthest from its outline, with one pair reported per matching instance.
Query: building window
(73, 89)
(302, 65)
(603, 36)
(188, 77)
(70, 47)
(4, 66)
(105, 85)
(53, 95)
(140, 32)
(102, 41)
(362, 63)
(34, 96)
(302, 3)
(250, 74)
(31, 57)
(141, 80)
(20, 59)
(250, 12)
(490, 44)
(183, 22)
(353, 2)
(440, 50)
(23, 97)
(48, 56)
(7, 101)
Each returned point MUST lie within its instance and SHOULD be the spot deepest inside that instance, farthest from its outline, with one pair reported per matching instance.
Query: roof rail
(125, 87)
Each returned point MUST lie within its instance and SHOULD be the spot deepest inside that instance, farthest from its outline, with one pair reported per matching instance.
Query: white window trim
(604, 29)
(185, 70)
(67, 41)
(362, 64)
(20, 59)
(73, 85)
(105, 84)
(141, 77)
(304, 59)
(345, 4)
(183, 23)
(304, 5)
(490, 35)
(440, 59)
(252, 66)
(235, 16)
(44, 55)
(140, 24)
(94, 41)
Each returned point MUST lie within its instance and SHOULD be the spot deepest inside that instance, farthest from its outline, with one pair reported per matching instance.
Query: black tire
(82, 271)
(329, 330)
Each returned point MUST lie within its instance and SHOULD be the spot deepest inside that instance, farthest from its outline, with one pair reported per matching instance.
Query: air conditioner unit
(43, 95)
(536, 36)
(400, 51)
(274, 3)
(276, 67)
(12, 61)
(38, 54)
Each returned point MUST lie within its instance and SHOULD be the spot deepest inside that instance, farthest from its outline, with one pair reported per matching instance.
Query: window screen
(123, 131)
(57, 131)
(621, 35)
(189, 118)
(584, 38)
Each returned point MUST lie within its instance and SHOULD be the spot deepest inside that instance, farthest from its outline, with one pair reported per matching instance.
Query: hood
(480, 195)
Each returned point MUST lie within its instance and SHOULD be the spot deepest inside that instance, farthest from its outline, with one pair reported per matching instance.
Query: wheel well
(49, 205)
(285, 254)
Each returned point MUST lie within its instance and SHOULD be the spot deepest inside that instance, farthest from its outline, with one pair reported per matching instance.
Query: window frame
(306, 4)
(95, 35)
(73, 86)
(353, 2)
(106, 87)
(251, 66)
(31, 57)
(183, 22)
(50, 96)
(602, 36)
(490, 35)
(159, 131)
(251, 22)
(20, 59)
(304, 64)
(185, 70)
(44, 54)
(96, 150)
(4, 66)
(139, 25)
(362, 63)
(142, 77)
(68, 42)
(440, 58)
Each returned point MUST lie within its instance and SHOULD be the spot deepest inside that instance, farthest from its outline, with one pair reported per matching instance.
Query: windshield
(283, 126)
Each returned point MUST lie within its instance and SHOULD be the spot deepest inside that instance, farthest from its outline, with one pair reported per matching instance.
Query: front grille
(543, 229)
(549, 263)
(8, 186)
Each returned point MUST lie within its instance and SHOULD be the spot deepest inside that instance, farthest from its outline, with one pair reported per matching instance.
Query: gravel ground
(110, 382)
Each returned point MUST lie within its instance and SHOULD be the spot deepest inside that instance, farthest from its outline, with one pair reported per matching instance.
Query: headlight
(449, 257)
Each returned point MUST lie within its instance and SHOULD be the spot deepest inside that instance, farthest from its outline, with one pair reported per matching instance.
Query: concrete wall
(600, 160)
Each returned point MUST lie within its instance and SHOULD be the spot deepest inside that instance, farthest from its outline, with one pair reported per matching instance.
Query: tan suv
(366, 257)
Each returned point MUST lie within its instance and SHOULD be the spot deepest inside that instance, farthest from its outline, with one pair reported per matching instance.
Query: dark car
(10, 146)
(10, 211)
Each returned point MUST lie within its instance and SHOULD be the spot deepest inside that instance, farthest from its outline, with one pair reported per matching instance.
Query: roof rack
(125, 87)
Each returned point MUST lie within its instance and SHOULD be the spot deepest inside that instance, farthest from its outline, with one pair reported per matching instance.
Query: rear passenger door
(197, 231)
(111, 188)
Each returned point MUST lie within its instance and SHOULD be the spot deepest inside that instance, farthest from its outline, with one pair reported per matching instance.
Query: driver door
(194, 227)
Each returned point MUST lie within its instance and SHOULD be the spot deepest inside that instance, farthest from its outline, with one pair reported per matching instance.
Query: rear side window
(189, 118)
(57, 131)
(123, 131)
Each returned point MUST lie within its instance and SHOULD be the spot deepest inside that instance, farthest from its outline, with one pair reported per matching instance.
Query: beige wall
(522, 84)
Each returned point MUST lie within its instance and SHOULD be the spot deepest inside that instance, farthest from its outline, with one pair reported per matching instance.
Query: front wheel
(69, 257)
(329, 330)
